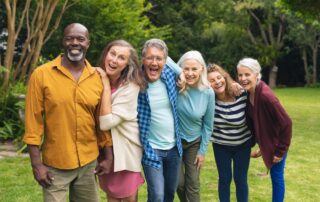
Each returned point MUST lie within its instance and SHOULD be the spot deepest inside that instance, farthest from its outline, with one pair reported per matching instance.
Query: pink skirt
(121, 184)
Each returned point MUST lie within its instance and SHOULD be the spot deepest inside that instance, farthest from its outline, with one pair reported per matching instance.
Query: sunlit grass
(301, 173)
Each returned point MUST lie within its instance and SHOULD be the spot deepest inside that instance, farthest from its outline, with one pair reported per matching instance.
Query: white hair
(252, 64)
(196, 55)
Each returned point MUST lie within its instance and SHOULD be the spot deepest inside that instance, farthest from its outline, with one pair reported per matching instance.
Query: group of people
(122, 118)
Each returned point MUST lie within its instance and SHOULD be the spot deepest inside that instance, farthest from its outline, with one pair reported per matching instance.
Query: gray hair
(252, 64)
(196, 55)
(157, 43)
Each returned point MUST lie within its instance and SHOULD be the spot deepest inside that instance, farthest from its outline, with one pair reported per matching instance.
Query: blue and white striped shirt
(230, 125)
(150, 157)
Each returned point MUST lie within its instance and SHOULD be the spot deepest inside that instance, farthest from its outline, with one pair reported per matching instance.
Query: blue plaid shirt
(150, 157)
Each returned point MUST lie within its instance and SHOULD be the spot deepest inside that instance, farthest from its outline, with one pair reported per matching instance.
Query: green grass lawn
(301, 173)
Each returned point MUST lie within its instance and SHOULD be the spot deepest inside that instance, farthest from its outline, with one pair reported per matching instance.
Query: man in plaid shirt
(158, 124)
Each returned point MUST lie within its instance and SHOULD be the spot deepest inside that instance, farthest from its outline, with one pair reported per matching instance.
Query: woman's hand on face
(256, 153)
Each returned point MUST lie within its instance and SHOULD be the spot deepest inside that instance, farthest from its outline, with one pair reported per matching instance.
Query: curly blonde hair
(216, 68)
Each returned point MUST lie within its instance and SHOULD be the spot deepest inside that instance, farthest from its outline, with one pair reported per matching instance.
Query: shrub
(11, 112)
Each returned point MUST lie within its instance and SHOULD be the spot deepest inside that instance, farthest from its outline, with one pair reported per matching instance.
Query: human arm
(173, 66)
(34, 126)
(105, 160)
(236, 88)
(105, 106)
(181, 83)
(207, 128)
(122, 107)
(282, 122)
(40, 171)
(285, 132)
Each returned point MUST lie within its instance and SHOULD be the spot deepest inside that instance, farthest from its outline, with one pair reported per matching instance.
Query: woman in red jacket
(271, 124)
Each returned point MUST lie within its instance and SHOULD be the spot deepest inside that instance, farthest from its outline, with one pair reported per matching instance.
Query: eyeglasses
(152, 58)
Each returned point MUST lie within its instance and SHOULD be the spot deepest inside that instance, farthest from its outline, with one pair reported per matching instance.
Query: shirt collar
(87, 71)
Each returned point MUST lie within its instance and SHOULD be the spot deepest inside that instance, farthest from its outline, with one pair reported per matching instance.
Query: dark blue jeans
(240, 157)
(277, 178)
(162, 183)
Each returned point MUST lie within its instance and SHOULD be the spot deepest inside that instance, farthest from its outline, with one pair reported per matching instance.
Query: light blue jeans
(277, 179)
(162, 182)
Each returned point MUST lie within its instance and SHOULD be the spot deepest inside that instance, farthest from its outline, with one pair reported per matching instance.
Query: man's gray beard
(75, 58)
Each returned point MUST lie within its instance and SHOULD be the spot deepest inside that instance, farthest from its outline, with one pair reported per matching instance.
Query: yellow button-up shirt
(63, 112)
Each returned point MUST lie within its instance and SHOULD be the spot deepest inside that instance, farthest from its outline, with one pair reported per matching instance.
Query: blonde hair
(226, 76)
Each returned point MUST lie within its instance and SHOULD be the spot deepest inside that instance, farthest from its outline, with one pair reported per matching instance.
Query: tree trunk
(37, 34)
(314, 63)
(11, 41)
(8, 59)
(273, 76)
(305, 66)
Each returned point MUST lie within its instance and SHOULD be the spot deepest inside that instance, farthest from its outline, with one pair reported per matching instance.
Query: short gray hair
(252, 64)
(196, 55)
(157, 43)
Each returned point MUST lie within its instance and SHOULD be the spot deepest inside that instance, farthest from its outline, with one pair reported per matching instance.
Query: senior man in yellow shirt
(62, 104)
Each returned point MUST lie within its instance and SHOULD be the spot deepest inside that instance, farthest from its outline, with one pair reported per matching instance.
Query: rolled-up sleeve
(34, 110)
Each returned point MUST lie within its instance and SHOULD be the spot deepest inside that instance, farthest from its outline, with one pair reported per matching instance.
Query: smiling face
(76, 42)
(247, 78)
(153, 62)
(116, 61)
(217, 82)
(192, 70)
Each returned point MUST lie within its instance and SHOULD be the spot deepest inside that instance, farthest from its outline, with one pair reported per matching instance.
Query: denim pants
(240, 157)
(277, 179)
(162, 182)
(189, 182)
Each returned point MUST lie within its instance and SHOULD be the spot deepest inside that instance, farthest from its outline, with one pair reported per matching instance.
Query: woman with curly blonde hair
(231, 137)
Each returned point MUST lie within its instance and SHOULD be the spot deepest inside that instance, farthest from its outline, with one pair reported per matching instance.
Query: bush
(11, 112)
(316, 85)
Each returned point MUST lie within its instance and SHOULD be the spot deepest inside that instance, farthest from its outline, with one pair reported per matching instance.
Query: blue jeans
(240, 156)
(162, 182)
(277, 178)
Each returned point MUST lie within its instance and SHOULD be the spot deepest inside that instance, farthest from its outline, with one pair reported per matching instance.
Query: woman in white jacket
(122, 80)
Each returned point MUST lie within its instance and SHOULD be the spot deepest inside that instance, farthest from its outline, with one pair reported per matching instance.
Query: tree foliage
(266, 30)
(200, 26)
(305, 33)
(307, 9)
(107, 21)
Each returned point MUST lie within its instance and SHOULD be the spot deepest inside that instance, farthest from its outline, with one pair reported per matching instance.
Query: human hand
(104, 166)
(256, 153)
(181, 83)
(276, 159)
(236, 89)
(103, 75)
(42, 175)
(199, 161)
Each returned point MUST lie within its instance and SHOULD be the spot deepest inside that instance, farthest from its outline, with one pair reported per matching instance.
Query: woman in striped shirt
(231, 136)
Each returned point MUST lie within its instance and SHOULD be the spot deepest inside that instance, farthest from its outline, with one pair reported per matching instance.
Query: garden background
(284, 35)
